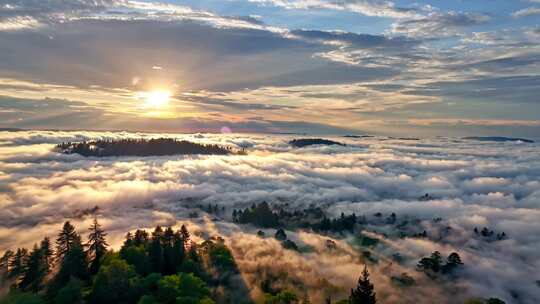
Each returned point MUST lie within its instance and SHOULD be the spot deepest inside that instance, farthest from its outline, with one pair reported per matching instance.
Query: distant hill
(358, 136)
(304, 142)
(10, 129)
(498, 139)
(141, 147)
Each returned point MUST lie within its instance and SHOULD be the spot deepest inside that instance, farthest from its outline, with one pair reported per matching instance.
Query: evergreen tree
(74, 264)
(185, 236)
(453, 261)
(140, 238)
(436, 260)
(129, 240)
(168, 255)
(97, 245)
(47, 252)
(35, 271)
(178, 249)
(156, 250)
(66, 238)
(363, 294)
(5, 260)
(18, 263)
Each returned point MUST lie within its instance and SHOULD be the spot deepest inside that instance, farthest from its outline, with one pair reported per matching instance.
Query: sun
(155, 99)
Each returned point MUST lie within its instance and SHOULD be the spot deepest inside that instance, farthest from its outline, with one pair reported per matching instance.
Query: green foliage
(70, 294)
(97, 245)
(283, 297)
(17, 297)
(366, 241)
(74, 264)
(221, 257)
(181, 288)
(288, 244)
(403, 280)
(34, 272)
(148, 300)
(138, 257)
(65, 240)
(116, 282)
(280, 235)
(364, 291)
(260, 215)
(433, 264)
(18, 263)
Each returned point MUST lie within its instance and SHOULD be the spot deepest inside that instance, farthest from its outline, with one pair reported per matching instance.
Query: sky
(419, 68)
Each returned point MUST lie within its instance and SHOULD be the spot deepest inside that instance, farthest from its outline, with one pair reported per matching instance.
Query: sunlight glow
(155, 99)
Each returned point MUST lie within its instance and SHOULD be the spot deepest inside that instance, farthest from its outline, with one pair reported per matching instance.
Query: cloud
(373, 8)
(437, 24)
(474, 184)
(529, 11)
(19, 23)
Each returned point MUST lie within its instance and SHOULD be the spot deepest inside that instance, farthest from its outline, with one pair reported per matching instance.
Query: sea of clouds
(471, 183)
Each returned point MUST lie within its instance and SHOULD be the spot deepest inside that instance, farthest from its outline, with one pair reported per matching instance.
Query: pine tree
(436, 259)
(35, 271)
(47, 252)
(66, 238)
(5, 260)
(363, 294)
(185, 236)
(140, 238)
(156, 250)
(74, 264)
(168, 254)
(18, 263)
(97, 245)
(179, 251)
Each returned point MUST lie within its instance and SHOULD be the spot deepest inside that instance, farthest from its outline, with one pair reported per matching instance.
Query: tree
(169, 266)
(364, 292)
(280, 235)
(5, 261)
(35, 271)
(283, 297)
(185, 236)
(178, 250)
(138, 258)
(140, 238)
(453, 261)
(74, 264)
(97, 245)
(65, 240)
(431, 264)
(17, 297)
(47, 252)
(182, 288)
(115, 283)
(156, 250)
(18, 263)
(71, 293)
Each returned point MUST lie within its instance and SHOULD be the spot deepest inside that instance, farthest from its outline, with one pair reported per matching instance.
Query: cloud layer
(472, 184)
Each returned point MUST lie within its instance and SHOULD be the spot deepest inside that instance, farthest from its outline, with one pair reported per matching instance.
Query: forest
(167, 266)
(141, 147)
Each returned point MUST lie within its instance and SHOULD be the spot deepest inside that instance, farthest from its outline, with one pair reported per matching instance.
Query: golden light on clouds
(155, 99)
